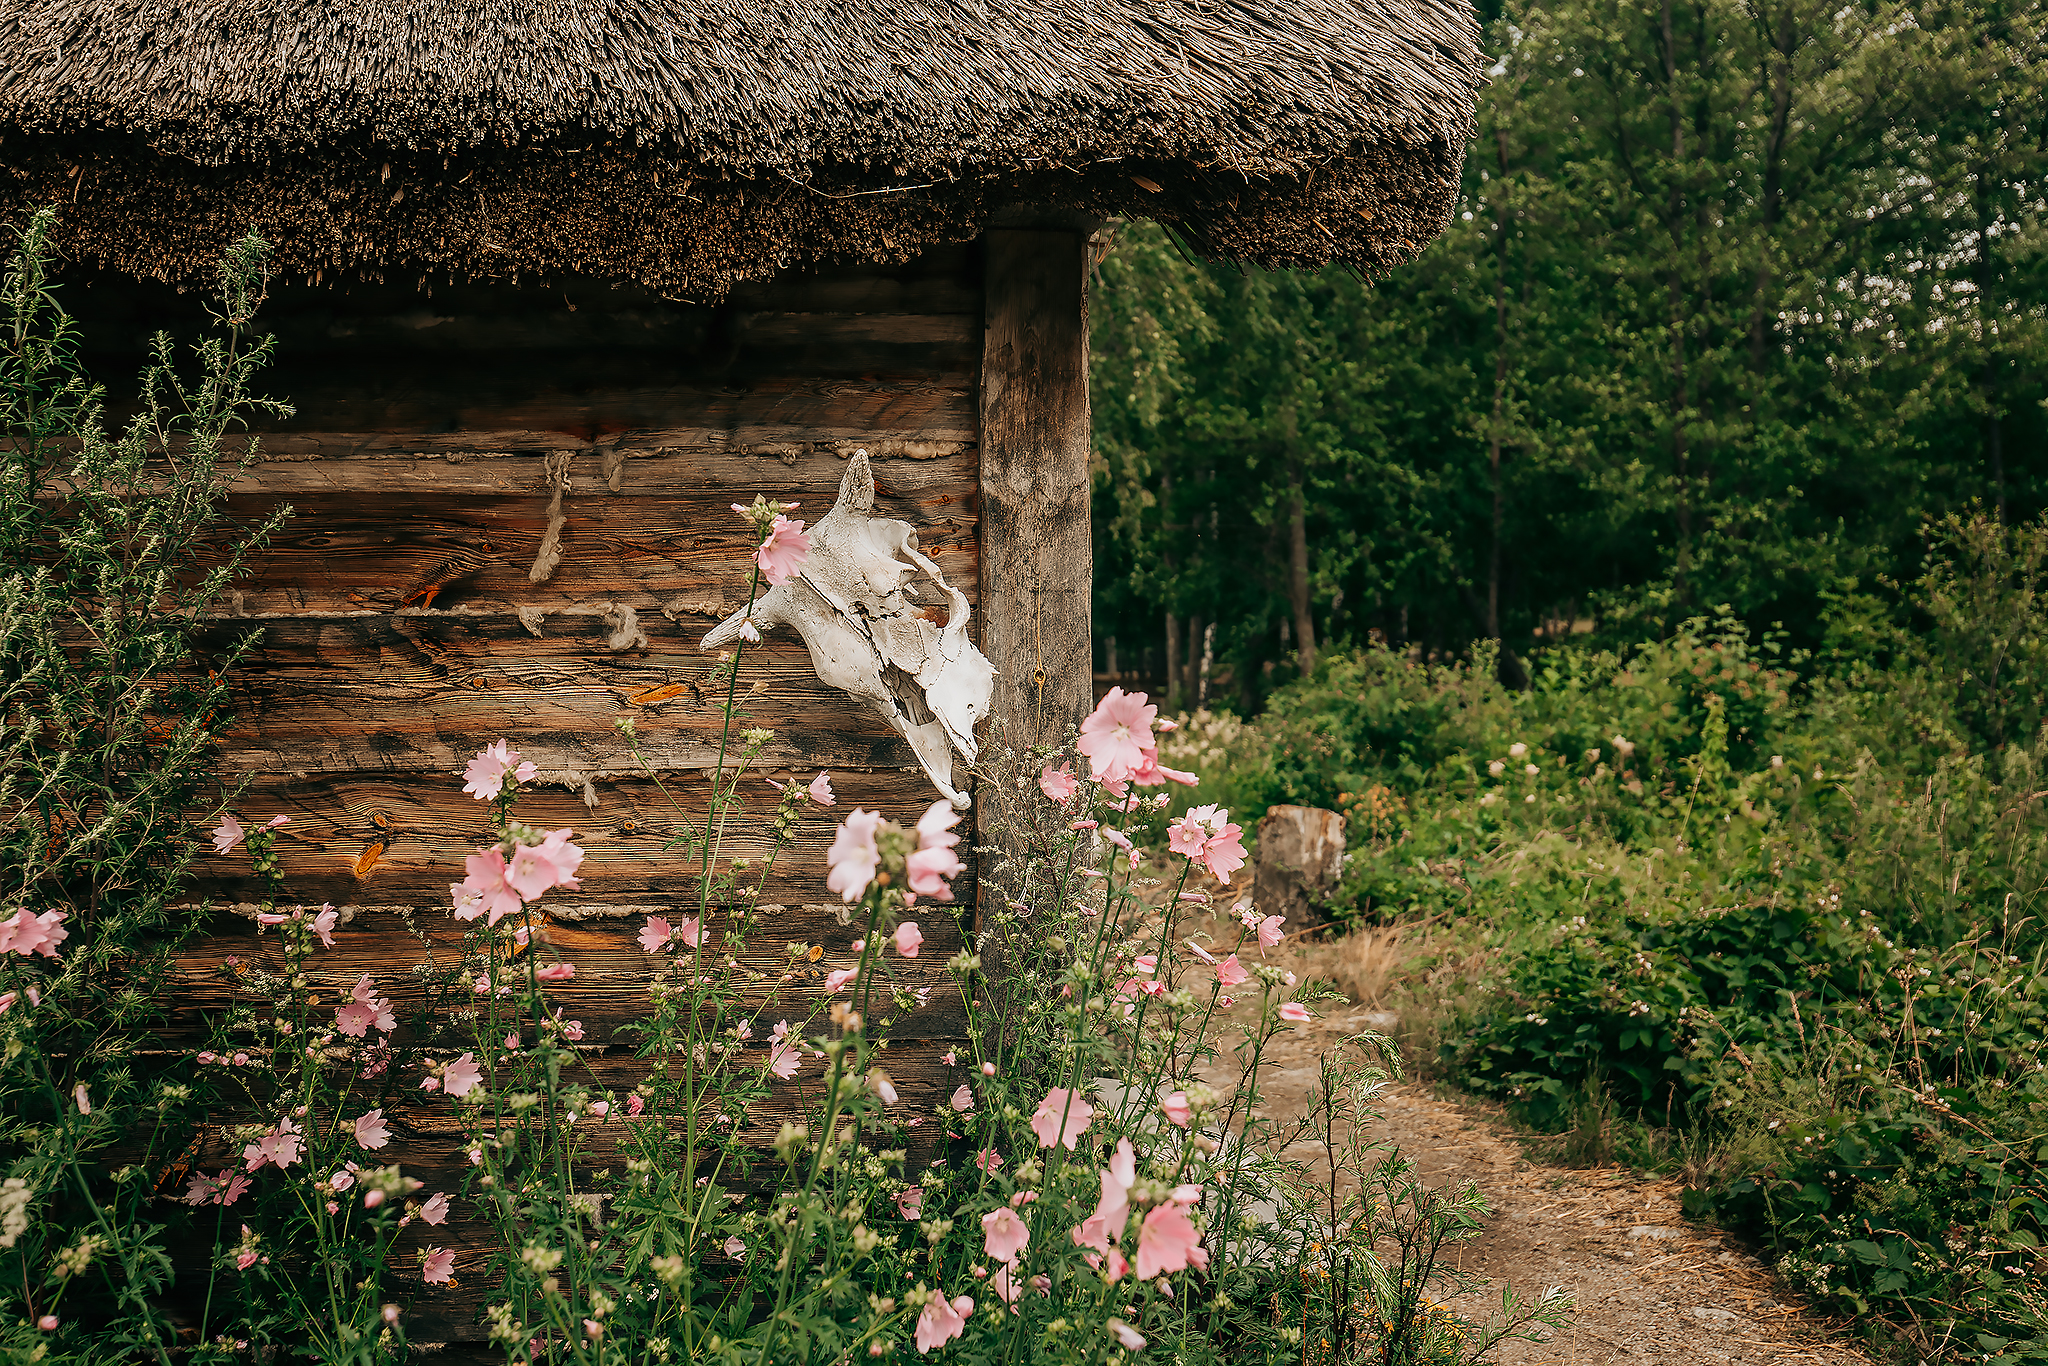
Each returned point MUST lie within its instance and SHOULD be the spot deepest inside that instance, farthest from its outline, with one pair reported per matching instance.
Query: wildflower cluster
(669, 1140)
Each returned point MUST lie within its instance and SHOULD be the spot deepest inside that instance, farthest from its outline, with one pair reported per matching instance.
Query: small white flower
(1517, 750)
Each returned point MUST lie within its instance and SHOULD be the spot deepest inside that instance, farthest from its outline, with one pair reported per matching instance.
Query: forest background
(1737, 295)
(1655, 574)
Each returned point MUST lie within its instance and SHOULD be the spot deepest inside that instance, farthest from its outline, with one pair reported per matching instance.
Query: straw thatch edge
(670, 225)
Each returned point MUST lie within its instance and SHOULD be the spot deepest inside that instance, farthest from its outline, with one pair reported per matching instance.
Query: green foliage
(112, 548)
(1734, 297)
(1787, 910)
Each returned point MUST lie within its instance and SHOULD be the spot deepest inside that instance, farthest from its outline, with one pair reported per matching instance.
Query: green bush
(1787, 910)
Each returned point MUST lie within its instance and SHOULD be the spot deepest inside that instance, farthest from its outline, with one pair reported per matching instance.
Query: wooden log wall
(409, 615)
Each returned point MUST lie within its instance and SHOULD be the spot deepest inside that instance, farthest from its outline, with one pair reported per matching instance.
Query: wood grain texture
(420, 693)
(521, 404)
(427, 826)
(118, 315)
(909, 477)
(344, 551)
(1036, 553)
(407, 951)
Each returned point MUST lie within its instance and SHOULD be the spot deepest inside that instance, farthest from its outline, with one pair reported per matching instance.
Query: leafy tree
(1739, 294)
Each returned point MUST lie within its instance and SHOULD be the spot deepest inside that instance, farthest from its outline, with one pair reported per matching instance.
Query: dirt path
(1651, 1288)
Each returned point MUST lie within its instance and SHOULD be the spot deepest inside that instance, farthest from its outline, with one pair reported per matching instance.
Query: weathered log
(612, 970)
(421, 829)
(345, 549)
(1036, 555)
(420, 693)
(911, 479)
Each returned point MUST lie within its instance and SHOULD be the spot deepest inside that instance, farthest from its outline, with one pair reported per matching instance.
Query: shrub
(1788, 911)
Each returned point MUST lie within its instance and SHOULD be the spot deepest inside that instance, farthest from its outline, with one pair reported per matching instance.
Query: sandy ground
(1650, 1286)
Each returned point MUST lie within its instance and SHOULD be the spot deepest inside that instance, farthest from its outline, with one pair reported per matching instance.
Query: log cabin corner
(555, 284)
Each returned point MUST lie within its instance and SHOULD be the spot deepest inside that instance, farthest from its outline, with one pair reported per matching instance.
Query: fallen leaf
(647, 697)
(368, 859)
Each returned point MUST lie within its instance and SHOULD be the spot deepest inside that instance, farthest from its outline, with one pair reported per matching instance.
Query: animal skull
(856, 604)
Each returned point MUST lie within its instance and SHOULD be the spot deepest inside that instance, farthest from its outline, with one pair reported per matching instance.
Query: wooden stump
(1300, 858)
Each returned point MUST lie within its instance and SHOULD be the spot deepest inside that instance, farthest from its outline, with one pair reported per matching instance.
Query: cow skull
(857, 604)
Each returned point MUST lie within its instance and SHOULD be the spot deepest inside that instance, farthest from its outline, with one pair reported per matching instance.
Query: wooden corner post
(1037, 558)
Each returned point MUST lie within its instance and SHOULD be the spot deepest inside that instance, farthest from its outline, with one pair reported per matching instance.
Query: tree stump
(1300, 858)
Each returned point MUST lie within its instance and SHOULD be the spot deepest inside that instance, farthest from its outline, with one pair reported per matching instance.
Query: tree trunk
(1172, 661)
(1037, 558)
(1982, 274)
(1500, 384)
(1297, 579)
(1208, 660)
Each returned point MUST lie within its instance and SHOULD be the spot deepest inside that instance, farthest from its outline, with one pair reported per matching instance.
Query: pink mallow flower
(555, 972)
(224, 1189)
(854, 856)
(909, 938)
(364, 1009)
(1230, 972)
(437, 1265)
(323, 925)
(1004, 1235)
(484, 778)
(1058, 784)
(1061, 1118)
(371, 1131)
(783, 1057)
(1206, 835)
(1270, 933)
(838, 979)
(942, 1320)
(25, 933)
(820, 790)
(279, 1147)
(655, 934)
(935, 862)
(551, 863)
(1117, 736)
(1167, 1242)
(1177, 1110)
(1295, 1012)
(435, 1211)
(462, 1076)
(783, 551)
(910, 1202)
(1113, 1208)
(485, 891)
(227, 834)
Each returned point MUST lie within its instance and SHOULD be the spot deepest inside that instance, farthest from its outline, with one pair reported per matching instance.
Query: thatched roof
(687, 142)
